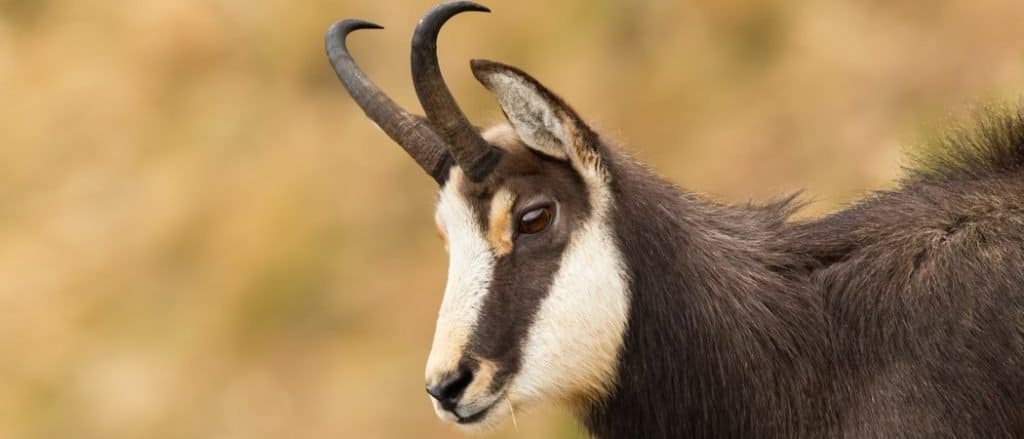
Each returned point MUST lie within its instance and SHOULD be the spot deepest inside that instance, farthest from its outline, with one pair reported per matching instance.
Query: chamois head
(536, 304)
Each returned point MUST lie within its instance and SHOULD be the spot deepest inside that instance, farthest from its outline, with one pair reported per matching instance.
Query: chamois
(579, 277)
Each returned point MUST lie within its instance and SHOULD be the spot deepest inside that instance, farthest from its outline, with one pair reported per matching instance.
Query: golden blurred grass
(201, 236)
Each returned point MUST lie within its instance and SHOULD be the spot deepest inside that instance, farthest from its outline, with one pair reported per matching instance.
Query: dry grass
(202, 237)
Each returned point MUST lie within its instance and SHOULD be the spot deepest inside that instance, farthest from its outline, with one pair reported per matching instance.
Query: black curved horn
(413, 133)
(474, 155)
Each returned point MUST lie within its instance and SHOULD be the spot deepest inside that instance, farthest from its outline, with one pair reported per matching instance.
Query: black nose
(450, 388)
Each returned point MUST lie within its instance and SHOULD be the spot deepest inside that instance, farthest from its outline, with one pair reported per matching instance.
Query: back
(924, 294)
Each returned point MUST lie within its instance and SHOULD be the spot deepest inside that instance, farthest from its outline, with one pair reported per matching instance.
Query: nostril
(448, 391)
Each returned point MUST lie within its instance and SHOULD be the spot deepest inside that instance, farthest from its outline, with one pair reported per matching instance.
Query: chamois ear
(541, 119)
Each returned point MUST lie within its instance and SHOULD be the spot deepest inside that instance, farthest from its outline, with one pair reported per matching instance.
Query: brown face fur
(525, 263)
(522, 275)
(529, 314)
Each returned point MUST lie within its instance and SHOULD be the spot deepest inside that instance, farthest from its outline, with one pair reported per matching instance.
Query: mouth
(475, 417)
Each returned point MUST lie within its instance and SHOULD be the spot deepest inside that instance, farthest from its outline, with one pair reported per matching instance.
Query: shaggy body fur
(654, 313)
(902, 316)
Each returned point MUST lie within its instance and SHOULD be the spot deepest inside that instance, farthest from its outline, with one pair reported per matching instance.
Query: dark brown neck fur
(721, 341)
(902, 316)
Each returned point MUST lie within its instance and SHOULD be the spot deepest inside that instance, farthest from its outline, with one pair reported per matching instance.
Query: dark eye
(535, 221)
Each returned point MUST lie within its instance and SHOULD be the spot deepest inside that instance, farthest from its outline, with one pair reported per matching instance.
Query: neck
(724, 339)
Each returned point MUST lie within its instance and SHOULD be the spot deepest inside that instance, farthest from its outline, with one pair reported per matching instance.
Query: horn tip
(478, 7)
(344, 27)
(457, 6)
(335, 38)
(430, 25)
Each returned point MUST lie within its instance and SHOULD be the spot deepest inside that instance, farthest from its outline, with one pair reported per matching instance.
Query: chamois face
(536, 301)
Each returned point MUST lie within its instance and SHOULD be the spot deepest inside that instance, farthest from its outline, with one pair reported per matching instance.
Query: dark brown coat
(901, 316)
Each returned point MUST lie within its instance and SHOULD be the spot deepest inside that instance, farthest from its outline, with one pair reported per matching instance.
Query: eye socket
(535, 220)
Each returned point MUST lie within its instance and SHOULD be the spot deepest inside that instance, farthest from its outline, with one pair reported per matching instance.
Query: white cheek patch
(572, 349)
(470, 269)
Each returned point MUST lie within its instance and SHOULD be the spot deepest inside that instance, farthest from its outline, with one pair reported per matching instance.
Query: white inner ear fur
(534, 118)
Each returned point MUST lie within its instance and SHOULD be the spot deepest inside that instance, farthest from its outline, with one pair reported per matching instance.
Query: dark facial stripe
(509, 310)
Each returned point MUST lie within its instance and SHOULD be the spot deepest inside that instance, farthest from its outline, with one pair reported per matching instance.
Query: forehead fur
(519, 166)
(522, 178)
(518, 159)
(503, 136)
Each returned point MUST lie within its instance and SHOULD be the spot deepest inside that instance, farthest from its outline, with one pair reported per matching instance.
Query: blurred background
(202, 237)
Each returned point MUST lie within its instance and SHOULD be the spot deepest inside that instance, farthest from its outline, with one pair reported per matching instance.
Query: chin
(489, 418)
